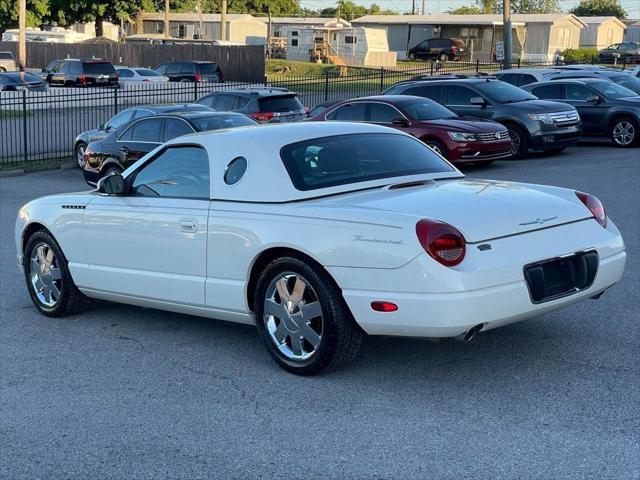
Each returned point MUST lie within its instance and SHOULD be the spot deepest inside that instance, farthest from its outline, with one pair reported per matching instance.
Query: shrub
(580, 55)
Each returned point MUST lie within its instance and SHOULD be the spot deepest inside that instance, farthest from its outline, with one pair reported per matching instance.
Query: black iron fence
(43, 125)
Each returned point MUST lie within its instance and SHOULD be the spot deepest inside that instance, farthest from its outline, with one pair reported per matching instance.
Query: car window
(576, 92)
(612, 90)
(240, 102)
(186, 68)
(208, 68)
(458, 95)
(517, 79)
(382, 113)
(224, 103)
(347, 159)
(434, 92)
(174, 128)
(53, 67)
(147, 130)
(553, 91)
(356, 112)
(147, 72)
(161, 69)
(120, 119)
(173, 68)
(99, 68)
(427, 110)
(288, 103)
(178, 172)
(207, 101)
(142, 112)
(64, 67)
(218, 121)
(125, 73)
(235, 170)
(75, 68)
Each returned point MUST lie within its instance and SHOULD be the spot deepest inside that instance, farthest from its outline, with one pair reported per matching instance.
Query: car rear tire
(624, 132)
(412, 56)
(519, 141)
(3, 70)
(443, 57)
(436, 147)
(302, 318)
(49, 282)
(79, 153)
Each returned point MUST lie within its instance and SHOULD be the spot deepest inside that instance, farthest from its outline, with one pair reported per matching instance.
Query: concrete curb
(65, 165)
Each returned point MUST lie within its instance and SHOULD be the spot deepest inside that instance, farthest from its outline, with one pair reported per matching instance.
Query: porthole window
(235, 170)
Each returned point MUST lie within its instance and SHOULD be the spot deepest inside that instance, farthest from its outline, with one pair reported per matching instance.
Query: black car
(15, 81)
(74, 72)
(321, 107)
(131, 141)
(606, 108)
(442, 49)
(266, 105)
(532, 123)
(125, 116)
(626, 52)
(191, 71)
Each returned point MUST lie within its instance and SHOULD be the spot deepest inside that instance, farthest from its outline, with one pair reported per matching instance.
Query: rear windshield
(427, 110)
(146, 72)
(503, 92)
(208, 68)
(98, 67)
(627, 80)
(13, 78)
(280, 104)
(6, 56)
(216, 122)
(345, 159)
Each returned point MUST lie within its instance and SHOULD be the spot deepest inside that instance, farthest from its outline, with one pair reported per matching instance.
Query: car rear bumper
(490, 291)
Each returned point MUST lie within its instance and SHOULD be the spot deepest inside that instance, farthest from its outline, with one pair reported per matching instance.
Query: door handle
(189, 225)
(124, 149)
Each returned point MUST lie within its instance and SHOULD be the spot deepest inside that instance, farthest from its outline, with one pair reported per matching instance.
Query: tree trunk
(99, 29)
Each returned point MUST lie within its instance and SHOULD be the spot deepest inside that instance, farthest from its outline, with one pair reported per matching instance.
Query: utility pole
(506, 32)
(166, 19)
(223, 20)
(423, 6)
(22, 34)
(201, 28)
(269, 34)
(413, 8)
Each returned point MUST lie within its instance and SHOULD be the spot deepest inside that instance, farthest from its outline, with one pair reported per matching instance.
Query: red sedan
(459, 140)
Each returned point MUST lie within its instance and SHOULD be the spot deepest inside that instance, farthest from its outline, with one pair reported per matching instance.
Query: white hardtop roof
(267, 179)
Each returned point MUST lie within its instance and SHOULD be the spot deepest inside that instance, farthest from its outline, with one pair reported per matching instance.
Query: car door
(140, 138)
(176, 127)
(151, 243)
(58, 74)
(592, 113)
(385, 114)
(421, 50)
(458, 98)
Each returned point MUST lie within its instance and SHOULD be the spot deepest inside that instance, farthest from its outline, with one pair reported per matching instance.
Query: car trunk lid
(480, 209)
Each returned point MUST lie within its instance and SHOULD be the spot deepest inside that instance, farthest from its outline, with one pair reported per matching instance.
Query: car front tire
(49, 282)
(519, 141)
(79, 153)
(443, 57)
(302, 318)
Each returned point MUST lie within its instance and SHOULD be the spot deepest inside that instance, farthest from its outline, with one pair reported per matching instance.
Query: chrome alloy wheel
(515, 142)
(436, 149)
(46, 278)
(80, 155)
(293, 316)
(624, 132)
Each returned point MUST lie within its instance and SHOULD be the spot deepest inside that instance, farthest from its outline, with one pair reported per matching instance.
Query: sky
(441, 6)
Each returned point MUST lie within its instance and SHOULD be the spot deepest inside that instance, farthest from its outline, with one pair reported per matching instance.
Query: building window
(350, 39)
(294, 33)
(294, 42)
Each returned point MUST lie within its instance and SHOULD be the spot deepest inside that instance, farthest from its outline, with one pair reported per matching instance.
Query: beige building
(600, 32)
(535, 37)
(241, 28)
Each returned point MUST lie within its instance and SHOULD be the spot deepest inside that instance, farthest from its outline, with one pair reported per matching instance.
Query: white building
(340, 43)
(55, 35)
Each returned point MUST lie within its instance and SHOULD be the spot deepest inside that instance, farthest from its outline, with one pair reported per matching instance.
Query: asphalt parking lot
(125, 392)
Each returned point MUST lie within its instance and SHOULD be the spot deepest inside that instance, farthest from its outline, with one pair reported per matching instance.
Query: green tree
(37, 12)
(473, 10)
(517, 6)
(599, 8)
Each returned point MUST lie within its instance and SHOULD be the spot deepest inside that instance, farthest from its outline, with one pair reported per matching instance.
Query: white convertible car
(318, 233)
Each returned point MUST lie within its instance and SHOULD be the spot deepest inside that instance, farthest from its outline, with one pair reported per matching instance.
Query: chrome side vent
(74, 207)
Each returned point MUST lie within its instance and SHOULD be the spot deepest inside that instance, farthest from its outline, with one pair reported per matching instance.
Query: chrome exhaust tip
(469, 334)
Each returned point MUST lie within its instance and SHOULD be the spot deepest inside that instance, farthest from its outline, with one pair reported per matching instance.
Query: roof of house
(480, 19)
(194, 17)
(592, 20)
(298, 20)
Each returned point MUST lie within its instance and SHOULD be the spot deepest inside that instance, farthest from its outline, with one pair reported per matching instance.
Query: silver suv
(7, 62)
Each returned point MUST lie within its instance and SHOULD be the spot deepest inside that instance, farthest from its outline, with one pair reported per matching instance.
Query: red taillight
(83, 79)
(454, 49)
(595, 207)
(146, 80)
(380, 306)
(198, 77)
(441, 241)
(262, 116)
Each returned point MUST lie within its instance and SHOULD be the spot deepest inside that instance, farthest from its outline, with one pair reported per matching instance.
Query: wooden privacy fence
(239, 63)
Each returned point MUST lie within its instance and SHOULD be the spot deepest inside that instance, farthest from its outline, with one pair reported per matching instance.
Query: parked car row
(82, 72)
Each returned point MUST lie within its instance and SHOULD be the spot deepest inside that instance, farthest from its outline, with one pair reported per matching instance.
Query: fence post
(326, 85)
(195, 91)
(115, 101)
(431, 67)
(624, 62)
(381, 79)
(24, 125)
(477, 65)
(519, 62)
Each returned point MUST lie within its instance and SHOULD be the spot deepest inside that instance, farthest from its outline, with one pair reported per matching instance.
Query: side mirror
(102, 127)
(111, 185)
(400, 122)
(595, 99)
(478, 101)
